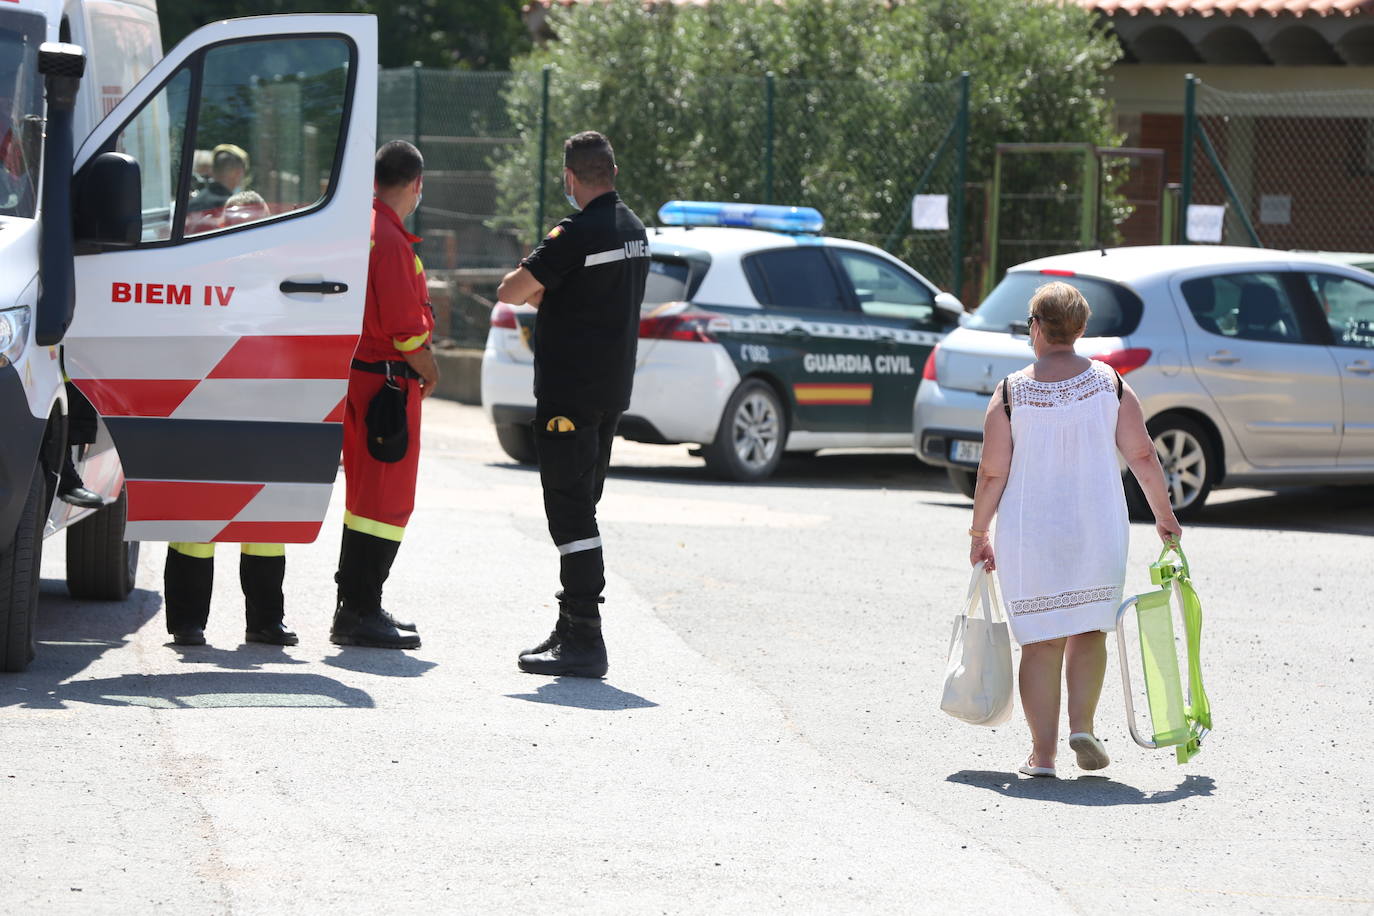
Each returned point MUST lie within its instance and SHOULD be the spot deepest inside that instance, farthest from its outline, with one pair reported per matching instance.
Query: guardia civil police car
(758, 336)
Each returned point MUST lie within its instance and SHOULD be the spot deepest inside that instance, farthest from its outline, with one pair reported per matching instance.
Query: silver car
(1255, 367)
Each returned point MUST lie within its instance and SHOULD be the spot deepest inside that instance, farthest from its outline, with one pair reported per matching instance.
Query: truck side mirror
(109, 203)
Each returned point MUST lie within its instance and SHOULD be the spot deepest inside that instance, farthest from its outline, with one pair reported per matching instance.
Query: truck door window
(154, 138)
(268, 127)
(21, 111)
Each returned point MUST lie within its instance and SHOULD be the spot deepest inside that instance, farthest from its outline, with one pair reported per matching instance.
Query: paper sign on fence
(930, 211)
(1205, 222)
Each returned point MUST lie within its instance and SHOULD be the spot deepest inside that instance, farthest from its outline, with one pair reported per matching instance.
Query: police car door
(906, 326)
(215, 341)
(817, 340)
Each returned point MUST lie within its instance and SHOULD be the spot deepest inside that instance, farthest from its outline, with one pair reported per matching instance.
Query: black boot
(574, 648)
(187, 584)
(264, 606)
(72, 489)
(364, 564)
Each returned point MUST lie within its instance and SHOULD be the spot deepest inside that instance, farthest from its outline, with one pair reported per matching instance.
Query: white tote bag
(978, 675)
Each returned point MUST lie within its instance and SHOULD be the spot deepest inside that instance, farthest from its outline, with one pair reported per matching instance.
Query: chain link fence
(856, 151)
(1287, 170)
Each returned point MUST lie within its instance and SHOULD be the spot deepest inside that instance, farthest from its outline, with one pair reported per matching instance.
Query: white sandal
(1026, 769)
(1091, 753)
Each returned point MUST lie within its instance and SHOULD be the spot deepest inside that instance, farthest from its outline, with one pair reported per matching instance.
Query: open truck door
(217, 313)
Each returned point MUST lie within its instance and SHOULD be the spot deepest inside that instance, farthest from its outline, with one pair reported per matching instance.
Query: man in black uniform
(587, 279)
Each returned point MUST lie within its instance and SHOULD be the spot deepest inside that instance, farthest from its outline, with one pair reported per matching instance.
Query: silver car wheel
(756, 430)
(1184, 461)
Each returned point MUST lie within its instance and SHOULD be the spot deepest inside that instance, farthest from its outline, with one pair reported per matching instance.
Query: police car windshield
(1116, 310)
(21, 111)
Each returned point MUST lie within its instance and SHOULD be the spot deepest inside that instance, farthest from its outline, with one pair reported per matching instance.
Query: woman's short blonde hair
(1061, 311)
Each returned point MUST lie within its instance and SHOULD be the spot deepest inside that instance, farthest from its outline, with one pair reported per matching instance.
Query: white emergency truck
(208, 318)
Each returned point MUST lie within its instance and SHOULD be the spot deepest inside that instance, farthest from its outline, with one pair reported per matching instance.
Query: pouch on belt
(388, 434)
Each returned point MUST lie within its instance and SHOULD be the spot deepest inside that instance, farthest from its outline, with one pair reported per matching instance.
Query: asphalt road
(768, 738)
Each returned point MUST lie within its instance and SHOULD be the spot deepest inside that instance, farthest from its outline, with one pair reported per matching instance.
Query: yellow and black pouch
(567, 451)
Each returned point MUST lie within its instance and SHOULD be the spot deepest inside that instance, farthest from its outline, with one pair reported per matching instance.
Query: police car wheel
(753, 430)
(517, 441)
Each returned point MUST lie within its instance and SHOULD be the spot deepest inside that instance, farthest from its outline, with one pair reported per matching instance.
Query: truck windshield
(21, 112)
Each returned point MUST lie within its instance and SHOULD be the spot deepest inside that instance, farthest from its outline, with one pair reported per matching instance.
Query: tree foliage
(468, 34)
(863, 94)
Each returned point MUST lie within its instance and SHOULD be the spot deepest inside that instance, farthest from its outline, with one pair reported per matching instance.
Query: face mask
(418, 197)
(572, 201)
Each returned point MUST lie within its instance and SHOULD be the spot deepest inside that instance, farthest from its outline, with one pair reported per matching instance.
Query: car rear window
(1115, 309)
(671, 280)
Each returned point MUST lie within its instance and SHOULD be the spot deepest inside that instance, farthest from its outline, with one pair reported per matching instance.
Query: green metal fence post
(415, 97)
(768, 139)
(961, 151)
(543, 153)
(1189, 116)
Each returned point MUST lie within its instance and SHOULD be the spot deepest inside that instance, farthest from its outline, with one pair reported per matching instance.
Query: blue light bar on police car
(741, 216)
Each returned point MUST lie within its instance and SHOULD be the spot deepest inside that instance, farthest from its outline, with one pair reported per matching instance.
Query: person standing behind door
(188, 580)
(587, 280)
(393, 351)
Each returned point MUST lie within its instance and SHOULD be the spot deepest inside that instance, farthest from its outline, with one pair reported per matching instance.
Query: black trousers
(572, 469)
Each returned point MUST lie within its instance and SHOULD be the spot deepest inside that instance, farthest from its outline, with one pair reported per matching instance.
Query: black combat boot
(72, 489)
(187, 584)
(263, 603)
(574, 648)
(364, 564)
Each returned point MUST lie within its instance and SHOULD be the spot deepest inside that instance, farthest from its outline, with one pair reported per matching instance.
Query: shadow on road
(384, 662)
(71, 635)
(584, 693)
(1326, 510)
(1091, 791)
(197, 690)
(877, 470)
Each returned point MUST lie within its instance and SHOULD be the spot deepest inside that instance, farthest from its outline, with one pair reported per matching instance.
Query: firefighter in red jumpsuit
(393, 351)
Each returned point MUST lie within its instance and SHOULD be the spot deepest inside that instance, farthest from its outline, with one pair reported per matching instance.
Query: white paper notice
(1276, 209)
(930, 211)
(1205, 222)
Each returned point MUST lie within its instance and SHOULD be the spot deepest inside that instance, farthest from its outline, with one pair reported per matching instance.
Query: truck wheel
(100, 563)
(753, 430)
(19, 566)
(517, 441)
(965, 481)
(1188, 458)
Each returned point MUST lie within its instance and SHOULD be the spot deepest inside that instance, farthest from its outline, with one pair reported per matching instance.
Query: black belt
(394, 367)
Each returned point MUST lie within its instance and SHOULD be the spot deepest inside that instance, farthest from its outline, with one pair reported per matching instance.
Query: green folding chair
(1175, 722)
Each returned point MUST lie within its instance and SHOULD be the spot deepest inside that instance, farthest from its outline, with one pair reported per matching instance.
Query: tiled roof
(1318, 8)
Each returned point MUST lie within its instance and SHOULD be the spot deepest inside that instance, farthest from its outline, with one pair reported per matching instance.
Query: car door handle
(1224, 357)
(327, 287)
(798, 331)
(1360, 366)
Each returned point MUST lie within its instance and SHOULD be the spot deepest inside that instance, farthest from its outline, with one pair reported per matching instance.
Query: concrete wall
(460, 375)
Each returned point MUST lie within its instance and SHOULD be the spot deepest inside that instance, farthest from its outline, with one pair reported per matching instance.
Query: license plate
(965, 451)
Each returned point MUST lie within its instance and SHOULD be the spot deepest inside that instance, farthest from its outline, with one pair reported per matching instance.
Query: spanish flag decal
(834, 393)
(555, 232)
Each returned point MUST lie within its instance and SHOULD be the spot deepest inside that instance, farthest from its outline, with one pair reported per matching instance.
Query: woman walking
(1049, 473)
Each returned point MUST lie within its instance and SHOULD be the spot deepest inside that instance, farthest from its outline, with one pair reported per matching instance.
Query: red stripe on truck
(188, 500)
(324, 356)
(270, 532)
(136, 397)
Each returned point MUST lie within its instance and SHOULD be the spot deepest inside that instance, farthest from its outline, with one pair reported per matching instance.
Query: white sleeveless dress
(1062, 530)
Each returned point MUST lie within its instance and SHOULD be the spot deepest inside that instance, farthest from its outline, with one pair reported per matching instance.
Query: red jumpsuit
(397, 319)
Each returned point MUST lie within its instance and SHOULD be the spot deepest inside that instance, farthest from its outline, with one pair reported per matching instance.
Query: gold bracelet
(975, 533)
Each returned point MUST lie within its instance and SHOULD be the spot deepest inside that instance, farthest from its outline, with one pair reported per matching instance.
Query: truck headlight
(14, 333)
